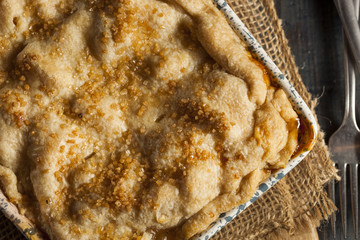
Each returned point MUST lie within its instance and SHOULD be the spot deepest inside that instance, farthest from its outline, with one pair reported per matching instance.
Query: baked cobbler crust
(129, 119)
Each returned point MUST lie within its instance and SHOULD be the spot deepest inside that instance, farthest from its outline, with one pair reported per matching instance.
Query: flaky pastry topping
(133, 119)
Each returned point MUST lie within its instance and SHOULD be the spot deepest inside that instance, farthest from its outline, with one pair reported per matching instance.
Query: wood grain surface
(315, 36)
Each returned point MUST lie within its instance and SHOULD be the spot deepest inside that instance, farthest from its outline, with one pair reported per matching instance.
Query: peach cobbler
(129, 119)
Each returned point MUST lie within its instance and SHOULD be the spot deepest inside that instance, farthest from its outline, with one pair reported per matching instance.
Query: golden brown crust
(121, 119)
(217, 37)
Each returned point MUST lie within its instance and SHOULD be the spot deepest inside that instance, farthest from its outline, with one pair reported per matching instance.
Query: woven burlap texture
(276, 213)
(300, 196)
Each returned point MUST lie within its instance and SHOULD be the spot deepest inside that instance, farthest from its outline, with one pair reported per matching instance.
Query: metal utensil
(344, 144)
(347, 12)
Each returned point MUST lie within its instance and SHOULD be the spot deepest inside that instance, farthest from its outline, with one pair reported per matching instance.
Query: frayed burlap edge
(299, 198)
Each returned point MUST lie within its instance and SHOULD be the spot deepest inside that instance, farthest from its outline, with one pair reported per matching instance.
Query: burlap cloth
(300, 196)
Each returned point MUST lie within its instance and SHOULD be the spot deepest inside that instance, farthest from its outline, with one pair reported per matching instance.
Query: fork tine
(343, 205)
(331, 190)
(355, 197)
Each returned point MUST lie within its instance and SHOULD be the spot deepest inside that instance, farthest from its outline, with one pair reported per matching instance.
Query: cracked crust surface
(133, 119)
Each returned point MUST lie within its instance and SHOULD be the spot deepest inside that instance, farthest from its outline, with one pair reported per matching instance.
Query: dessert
(133, 119)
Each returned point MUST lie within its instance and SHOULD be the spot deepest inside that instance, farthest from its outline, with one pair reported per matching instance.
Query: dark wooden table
(315, 37)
